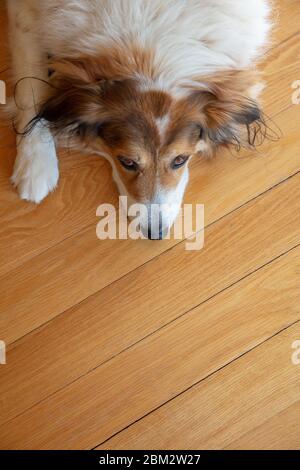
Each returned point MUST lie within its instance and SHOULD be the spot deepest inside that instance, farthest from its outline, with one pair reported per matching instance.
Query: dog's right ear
(75, 104)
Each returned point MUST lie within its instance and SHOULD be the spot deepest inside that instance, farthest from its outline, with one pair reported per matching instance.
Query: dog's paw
(36, 169)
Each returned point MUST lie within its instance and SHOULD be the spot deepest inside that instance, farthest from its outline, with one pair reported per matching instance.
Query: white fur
(36, 169)
(190, 37)
(162, 125)
(170, 201)
(202, 146)
(167, 202)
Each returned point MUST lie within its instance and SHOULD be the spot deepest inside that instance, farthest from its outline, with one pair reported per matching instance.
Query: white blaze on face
(164, 207)
(202, 146)
(162, 125)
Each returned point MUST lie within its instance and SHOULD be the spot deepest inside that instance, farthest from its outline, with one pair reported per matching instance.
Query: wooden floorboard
(163, 365)
(213, 414)
(281, 431)
(135, 344)
(131, 309)
(281, 67)
(286, 20)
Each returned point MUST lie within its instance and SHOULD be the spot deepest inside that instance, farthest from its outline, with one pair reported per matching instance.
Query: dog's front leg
(36, 167)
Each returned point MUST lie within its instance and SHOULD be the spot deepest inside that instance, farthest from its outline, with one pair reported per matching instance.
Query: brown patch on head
(110, 114)
(112, 63)
(89, 90)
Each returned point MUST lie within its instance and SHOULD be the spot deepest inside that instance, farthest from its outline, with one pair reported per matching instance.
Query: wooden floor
(140, 344)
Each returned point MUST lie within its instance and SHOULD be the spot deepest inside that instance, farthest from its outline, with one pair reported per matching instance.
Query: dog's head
(148, 135)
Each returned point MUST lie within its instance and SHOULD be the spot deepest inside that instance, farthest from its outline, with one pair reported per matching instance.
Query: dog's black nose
(156, 235)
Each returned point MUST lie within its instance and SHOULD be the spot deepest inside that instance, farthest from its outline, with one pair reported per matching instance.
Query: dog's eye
(179, 161)
(128, 164)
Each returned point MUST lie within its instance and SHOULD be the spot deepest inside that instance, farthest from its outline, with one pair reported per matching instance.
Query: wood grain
(249, 392)
(281, 431)
(114, 319)
(286, 20)
(280, 70)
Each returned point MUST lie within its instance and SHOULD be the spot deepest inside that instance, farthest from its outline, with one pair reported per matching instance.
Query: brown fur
(99, 101)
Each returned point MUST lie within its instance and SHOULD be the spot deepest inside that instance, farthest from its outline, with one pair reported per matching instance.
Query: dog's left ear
(230, 112)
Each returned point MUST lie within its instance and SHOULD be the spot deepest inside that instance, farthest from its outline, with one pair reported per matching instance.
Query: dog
(146, 84)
